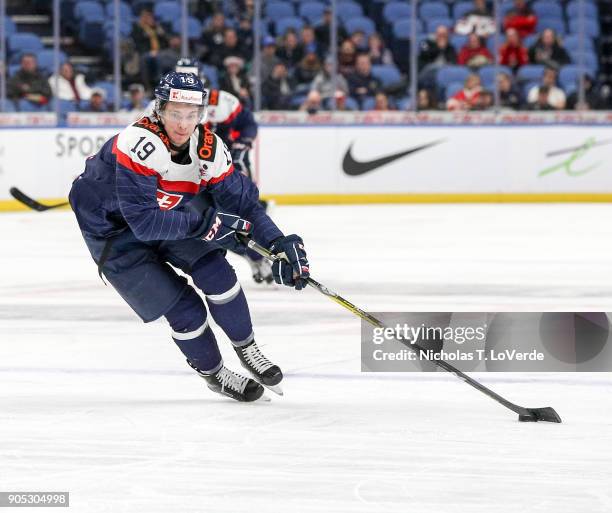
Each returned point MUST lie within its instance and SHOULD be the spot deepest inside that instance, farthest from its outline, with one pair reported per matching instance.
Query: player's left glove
(292, 267)
(240, 155)
(223, 227)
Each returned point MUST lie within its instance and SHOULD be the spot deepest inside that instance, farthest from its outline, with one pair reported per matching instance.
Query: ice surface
(96, 403)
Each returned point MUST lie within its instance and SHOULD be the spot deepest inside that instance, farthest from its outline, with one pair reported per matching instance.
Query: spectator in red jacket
(521, 18)
(469, 97)
(512, 53)
(474, 54)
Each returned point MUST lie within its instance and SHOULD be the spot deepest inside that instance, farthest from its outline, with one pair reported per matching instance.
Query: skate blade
(273, 388)
(264, 398)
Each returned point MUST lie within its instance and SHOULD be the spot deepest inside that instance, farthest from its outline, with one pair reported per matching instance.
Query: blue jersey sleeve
(236, 193)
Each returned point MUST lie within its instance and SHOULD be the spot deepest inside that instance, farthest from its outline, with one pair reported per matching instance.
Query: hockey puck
(527, 418)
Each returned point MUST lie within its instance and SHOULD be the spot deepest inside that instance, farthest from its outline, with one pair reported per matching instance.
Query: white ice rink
(96, 403)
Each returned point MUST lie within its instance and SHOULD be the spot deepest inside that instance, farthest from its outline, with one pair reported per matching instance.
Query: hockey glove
(223, 227)
(292, 267)
(240, 156)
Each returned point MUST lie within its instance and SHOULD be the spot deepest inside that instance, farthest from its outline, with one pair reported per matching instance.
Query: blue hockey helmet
(180, 87)
(187, 65)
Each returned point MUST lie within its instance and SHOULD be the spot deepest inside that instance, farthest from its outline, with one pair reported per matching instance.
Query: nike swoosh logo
(354, 168)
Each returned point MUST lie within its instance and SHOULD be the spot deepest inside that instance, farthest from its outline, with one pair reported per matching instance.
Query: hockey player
(236, 125)
(160, 193)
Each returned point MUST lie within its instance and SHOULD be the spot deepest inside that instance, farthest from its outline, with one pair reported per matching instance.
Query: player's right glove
(292, 268)
(223, 227)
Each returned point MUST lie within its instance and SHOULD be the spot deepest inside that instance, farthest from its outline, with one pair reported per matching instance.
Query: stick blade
(547, 414)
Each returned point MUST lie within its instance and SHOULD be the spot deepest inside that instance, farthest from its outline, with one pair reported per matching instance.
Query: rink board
(309, 164)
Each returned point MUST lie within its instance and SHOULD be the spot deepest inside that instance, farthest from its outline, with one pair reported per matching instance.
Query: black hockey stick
(546, 414)
(32, 203)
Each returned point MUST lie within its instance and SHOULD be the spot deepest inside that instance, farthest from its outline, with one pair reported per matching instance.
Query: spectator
(426, 100)
(312, 104)
(324, 84)
(149, 38)
(474, 54)
(308, 68)
(509, 97)
(540, 99)
(555, 95)
(479, 20)
(434, 54)
(268, 56)
(168, 56)
(97, 101)
(512, 53)
(381, 102)
(323, 29)
(212, 37)
(245, 34)
(485, 101)
(377, 51)
(70, 86)
(137, 101)
(359, 40)
(341, 102)
(595, 98)
(290, 51)
(231, 47)
(277, 89)
(468, 98)
(521, 18)
(28, 83)
(308, 40)
(548, 51)
(361, 82)
(346, 57)
(234, 80)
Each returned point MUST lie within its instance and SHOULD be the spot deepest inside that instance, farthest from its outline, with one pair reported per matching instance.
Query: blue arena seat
(547, 9)
(276, 10)
(590, 10)
(557, 24)
(452, 89)
(167, 11)
(89, 11)
(530, 72)
(432, 24)
(311, 11)
(387, 74)
(433, 10)
(46, 59)
(591, 26)
(348, 9)
(401, 29)
(24, 42)
(284, 24)
(363, 24)
(488, 73)
(572, 43)
(194, 27)
(460, 9)
(448, 74)
(396, 10)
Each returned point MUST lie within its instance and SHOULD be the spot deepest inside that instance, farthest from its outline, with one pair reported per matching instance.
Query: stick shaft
(377, 323)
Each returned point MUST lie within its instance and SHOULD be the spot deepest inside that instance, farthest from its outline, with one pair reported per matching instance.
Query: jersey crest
(167, 200)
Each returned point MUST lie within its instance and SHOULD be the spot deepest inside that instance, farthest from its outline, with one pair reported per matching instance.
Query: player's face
(180, 120)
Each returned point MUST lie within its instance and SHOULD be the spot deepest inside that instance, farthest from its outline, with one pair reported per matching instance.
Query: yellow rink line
(348, 199)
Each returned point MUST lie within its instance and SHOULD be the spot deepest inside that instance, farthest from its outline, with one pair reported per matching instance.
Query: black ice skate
(231, 384)
(262, 369)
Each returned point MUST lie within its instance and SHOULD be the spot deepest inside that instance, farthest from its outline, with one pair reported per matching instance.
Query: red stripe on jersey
(127, 162)
(218, 179)
(233, 115)
(178, 186)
